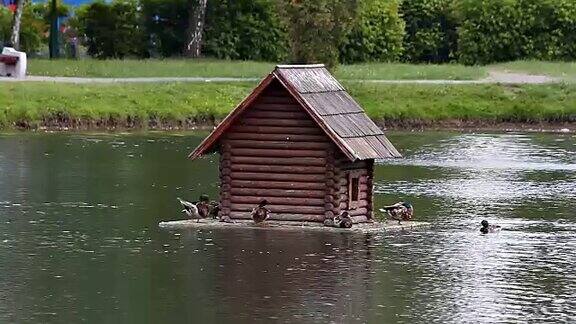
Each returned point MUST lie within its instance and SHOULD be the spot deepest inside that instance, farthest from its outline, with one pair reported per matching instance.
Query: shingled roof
(328, 103)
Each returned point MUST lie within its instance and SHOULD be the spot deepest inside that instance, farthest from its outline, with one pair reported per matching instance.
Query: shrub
(430, 30)
(112, 30)
(506, 30)
(165, 24)
(244, 29)
(548, 29)
(5, 25)
(488, 32)
(317, 28)
(376, 34)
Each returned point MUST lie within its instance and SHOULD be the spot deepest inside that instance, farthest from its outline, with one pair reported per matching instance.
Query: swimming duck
(260, 213)
(487, 228)
(190, 209)
(400, 211)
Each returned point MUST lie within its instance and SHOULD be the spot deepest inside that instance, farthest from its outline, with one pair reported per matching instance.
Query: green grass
(240, 69)
(399, 71)
(32, 103)
(489, 103)
(134, 105)
(148, 68)
(558, 69)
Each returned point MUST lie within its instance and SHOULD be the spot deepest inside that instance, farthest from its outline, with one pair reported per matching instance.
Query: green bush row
(330, 31)
(505, 30)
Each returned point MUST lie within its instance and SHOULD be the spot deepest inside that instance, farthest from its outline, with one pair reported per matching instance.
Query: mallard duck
(400, 211)
(260, 213)
(487, 228)
(190, 209)
(343, 220)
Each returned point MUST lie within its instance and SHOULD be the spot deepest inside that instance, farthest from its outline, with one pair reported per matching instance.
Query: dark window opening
(354, 189)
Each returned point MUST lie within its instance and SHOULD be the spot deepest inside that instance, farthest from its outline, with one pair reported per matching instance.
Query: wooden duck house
(300, 142)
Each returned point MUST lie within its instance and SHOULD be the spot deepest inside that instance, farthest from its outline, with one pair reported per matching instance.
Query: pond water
(79, 239)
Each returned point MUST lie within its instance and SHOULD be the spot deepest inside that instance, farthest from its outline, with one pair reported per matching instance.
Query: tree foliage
(245, 29)
(316, 29)
(112, 30)
(505, 30)
(431, 34)
(376, 34)
(165, 22)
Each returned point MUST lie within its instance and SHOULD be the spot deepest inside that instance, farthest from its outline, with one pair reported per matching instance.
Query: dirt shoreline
(63, 125)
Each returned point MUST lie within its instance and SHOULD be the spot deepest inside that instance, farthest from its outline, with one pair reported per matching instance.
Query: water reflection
(79, 241)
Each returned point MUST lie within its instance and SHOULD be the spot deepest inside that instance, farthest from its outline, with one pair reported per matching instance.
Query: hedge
(376, 34)
(431, 34)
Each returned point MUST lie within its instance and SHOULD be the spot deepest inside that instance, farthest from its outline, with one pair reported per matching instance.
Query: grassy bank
(241, 69)
(30, 105)
(558, 69)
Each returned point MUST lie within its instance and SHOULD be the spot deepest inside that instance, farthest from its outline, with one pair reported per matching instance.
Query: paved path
(493, 77)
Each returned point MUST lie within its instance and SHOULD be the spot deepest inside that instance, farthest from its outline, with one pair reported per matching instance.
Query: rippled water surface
(79, 239)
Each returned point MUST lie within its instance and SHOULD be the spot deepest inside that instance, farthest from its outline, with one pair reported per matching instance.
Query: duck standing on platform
(190, 209)
(400, 211)
(343, 220)
(260, 213)
(203, 206)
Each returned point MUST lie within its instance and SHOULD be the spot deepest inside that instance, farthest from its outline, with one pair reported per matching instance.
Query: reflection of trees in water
(295, 276)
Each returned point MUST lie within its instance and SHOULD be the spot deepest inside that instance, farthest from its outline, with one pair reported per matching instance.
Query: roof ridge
(299, 66)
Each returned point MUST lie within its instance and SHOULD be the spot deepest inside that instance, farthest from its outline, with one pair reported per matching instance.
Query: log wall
(275, 151)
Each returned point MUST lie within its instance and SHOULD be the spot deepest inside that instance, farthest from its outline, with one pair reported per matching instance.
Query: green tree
(317, 28)
(112, 30)
(165, 23)
(376, 35)
(431, 30)
(245, 29)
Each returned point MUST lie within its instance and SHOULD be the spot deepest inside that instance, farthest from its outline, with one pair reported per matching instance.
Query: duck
(343, 220)
(487, 228)
(260, 213)
(400, 211)
(190, 209)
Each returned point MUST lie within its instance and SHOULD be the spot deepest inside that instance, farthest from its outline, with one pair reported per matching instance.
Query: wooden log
(295, 161)
(277, 153)
(291, 177)
(293, 115)
(277, 130)
(281, 209)
(359, 219)
(277, 107)
(355, 212)
(278, 122)
(278, 137)
(276, 184)
(293, 201)
(277, 192)
(269, 99)
(329, 214)
(279, 145)
(277, 168)
(281, 216)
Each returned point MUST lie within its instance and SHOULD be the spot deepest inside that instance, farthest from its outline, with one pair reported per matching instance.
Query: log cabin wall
(275, 151)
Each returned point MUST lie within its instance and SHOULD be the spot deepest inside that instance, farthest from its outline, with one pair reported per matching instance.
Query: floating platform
(374, 227)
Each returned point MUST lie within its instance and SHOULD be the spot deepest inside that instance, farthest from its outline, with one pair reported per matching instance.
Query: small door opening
(353, 190)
